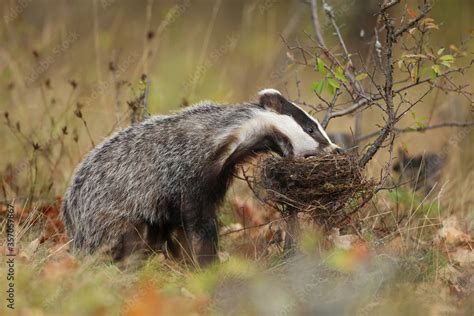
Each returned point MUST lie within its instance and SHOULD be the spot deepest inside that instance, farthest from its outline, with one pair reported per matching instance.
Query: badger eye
(309, 131)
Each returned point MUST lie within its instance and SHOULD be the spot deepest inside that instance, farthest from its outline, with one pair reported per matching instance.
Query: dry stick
(389, 5)
(146, 114)
(251, 227)
(117, 87)
(79, 115)
(420, 129)
(97, 48)
(330, 15)
(321, 43)
(349, 73)
(327, 116)
(387, 129)
(316, 24)
(146, 46)
(373, 41)
(407, 27)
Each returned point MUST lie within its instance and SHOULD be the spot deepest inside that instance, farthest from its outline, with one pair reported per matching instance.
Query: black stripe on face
(303, 119)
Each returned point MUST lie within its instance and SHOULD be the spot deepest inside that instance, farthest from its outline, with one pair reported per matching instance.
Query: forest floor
(422, 265)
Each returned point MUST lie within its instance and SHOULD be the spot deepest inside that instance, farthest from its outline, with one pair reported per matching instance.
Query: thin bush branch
(420, 129)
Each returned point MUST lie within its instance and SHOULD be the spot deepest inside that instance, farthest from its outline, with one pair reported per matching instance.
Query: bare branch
(146, 93)
(387, 129)
(327, 116)
(354, 107)
(348, 71)
(330, 15)
(419, 129)
(316, 23)
(389, 5)
(414, 22)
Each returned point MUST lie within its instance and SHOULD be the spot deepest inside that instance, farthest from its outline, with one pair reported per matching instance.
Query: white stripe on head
(268, 91)
(321, 129)
(302, 143)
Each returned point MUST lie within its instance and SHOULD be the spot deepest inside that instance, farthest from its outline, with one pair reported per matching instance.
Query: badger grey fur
(166, 176)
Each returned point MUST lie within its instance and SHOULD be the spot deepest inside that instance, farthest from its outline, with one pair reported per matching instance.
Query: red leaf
(412, 13)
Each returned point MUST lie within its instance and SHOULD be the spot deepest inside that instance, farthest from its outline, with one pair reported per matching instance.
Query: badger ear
(271, 99)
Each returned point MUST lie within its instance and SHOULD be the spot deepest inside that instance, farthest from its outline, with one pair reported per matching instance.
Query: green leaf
(318, 86)
(416, 56)
(448, 58)
(446, 63)
(400, 64)
(414, 74)
(331, 89)
(435, 72)
(334, 83)
(361, 76)
(321, 65)
(418, 120)
(420, 124)
(436, 69)
(339, 74)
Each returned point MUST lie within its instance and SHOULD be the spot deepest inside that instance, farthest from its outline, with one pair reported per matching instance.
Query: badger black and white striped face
(305, 133)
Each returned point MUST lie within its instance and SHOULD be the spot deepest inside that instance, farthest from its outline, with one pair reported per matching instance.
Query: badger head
(304, 133)
(276, 125)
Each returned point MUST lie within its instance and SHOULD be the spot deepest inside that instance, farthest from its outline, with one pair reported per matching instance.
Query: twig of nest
(330, 187)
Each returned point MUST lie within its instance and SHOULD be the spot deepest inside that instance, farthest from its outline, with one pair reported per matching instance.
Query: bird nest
(330, 187)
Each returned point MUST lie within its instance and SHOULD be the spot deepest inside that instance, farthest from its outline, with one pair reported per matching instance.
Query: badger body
(160, 182)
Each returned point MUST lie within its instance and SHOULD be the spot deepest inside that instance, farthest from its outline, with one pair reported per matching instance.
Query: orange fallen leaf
(450, 233)
(59, 267)
(148, 301)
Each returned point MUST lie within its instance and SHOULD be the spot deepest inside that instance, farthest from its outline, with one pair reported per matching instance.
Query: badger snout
(340, 150)
(334, 149)
(331, 149)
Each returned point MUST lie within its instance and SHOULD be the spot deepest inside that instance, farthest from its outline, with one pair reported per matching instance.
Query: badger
(157, 185)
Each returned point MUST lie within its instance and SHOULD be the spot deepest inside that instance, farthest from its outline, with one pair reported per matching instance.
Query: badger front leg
(200, 234)
(206, 242)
